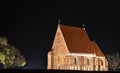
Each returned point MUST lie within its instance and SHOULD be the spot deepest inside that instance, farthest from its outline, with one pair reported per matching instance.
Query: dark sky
(31, 25)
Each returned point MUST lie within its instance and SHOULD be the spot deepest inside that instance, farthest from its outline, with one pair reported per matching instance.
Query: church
(72, 49)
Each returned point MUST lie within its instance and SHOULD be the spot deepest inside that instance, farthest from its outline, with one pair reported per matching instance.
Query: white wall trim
(82, 54)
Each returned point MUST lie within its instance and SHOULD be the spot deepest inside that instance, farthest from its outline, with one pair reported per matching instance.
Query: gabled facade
(73, 50)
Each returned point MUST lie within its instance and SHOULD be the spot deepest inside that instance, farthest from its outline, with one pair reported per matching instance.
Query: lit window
(78, 68)
(75, 68)
(87, 68)
(71, 67)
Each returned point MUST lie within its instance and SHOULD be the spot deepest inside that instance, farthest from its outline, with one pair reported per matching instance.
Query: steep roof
(97, 49)
(76, 39)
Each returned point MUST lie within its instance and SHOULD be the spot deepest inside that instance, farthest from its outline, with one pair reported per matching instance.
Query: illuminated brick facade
(73, 50)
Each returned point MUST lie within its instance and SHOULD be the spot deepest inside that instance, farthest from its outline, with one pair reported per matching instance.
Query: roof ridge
(71, 26)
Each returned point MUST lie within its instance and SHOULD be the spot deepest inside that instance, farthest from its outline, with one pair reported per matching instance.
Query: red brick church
(73, 50)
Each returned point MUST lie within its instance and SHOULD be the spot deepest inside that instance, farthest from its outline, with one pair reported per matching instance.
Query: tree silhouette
(113, 60)
(9, 55)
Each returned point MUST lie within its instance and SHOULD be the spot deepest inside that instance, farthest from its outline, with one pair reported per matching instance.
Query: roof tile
(77, 39)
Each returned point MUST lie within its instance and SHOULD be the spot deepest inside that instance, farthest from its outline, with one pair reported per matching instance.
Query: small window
(88, 61)
(75, 60)
(98, 61)
(101, 62)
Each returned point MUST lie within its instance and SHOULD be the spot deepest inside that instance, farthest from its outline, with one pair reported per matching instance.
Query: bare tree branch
(113, 60)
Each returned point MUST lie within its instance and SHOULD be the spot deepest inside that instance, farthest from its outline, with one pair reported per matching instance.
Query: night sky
(31, 25)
